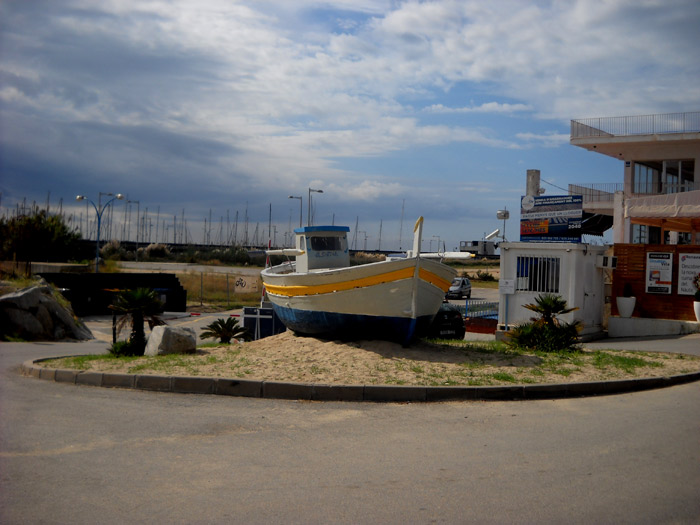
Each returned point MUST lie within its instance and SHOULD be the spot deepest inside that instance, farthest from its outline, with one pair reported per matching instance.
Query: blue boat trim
(353, 326)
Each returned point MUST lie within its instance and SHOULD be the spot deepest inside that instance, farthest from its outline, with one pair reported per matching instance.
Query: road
(79, 454)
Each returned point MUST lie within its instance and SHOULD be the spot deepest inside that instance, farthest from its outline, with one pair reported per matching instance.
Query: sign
(554, 218)
(688, 271)
(659, 272)
(506, 286)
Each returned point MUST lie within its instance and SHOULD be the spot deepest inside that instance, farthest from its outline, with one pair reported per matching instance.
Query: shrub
(137, 306)
(546, 333)
(157, 251)
(225, 330)
(484, 276)
(37, 237)
(112, 250)
(124, 349)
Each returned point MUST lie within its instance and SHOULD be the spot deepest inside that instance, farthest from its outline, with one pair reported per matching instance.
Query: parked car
(448, 323)
(461, 288)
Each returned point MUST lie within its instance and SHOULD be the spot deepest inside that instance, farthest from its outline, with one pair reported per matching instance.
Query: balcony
(605, 192)
(636, 125)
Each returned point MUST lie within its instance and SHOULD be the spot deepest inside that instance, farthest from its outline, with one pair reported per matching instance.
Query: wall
(631, 267)
(580, 282)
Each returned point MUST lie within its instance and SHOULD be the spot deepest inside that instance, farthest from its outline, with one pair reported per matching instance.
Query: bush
(546, 333)
(37, 237)
(157, 251)
(112, 250)
(124, 349)
(545, 338)
(484, 276)
(225, 330)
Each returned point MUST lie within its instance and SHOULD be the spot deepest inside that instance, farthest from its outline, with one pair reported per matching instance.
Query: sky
(395, 110)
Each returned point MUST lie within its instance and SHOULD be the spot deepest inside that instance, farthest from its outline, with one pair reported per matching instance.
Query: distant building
(658, 201)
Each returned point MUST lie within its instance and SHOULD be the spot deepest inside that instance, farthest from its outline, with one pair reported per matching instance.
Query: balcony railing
(605, 192)
(637, 125)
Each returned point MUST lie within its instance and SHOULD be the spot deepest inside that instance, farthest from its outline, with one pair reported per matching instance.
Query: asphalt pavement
(80, 454)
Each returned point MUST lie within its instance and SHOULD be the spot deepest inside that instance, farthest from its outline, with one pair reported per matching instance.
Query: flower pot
(625, 306)
(696, 307)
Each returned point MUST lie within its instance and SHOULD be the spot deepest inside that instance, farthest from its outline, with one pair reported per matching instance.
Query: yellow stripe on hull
(397, 275)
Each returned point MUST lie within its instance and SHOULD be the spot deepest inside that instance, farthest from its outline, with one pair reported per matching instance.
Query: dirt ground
(288, 357)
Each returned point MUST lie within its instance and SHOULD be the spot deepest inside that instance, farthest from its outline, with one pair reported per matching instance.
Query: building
(658, 201)
(655, 215)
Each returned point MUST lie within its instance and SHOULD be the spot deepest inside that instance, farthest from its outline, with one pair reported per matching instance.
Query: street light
(138, 212)
(301, 199)
(308, 217)
(99, 211)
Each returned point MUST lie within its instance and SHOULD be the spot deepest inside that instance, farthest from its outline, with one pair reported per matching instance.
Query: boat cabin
(322, 247)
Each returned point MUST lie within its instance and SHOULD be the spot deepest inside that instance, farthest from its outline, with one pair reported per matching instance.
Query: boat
(319, 293)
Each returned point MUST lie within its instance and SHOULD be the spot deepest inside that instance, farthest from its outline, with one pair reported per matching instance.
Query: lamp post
(308, 217)
(99, 211)
(301, 199)
(138, 212)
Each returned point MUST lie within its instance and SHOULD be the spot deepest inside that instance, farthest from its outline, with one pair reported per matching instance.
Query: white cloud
(550, 140)
(488, 107)
(291, 90)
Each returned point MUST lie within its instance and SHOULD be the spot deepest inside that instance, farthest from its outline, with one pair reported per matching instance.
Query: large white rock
(171, 340)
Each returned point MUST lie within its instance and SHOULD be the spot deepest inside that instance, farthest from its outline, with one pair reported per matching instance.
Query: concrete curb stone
(337, 392)
(156, 383)
(329, 392)
(394, 393)
(194, 385)
(89, 378)
(65, 376)
(118, 380)
(238, 387)
(282, 390)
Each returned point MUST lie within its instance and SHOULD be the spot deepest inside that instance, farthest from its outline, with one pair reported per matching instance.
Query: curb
(327, 392)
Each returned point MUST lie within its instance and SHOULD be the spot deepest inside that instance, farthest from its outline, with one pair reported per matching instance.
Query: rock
(171, 340)
(34, 314)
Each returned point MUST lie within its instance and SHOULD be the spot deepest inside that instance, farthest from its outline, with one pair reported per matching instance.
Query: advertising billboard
(554, 218)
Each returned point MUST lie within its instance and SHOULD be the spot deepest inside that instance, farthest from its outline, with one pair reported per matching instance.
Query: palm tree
(546, 333)
(137, 306)
(225, 330)
(549, 306)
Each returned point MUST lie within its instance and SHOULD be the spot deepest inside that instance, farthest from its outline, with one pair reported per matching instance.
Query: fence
(479, 309)
(636, 125)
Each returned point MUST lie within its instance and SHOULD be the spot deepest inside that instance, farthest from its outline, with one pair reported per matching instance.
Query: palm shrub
(225, 330)
(546, 332)
(137, 306)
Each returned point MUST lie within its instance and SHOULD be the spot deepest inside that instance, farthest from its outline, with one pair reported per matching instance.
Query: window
(666, 176)
(538, 274)
(639, 234)
(646, 178)
(325, 244)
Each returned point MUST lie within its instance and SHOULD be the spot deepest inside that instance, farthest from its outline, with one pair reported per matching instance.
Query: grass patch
(604, 360)
(456, 364)
(504, 377)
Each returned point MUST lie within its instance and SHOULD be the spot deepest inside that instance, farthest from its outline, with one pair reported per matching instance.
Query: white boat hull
(389, 300)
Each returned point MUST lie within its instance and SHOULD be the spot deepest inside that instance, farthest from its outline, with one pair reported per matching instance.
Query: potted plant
(696, 302)
(626, 301)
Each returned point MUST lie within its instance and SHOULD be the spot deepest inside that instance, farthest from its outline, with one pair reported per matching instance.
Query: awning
(596, 223)
(671, 206)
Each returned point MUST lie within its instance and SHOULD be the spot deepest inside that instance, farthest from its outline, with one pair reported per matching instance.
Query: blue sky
(437, 108)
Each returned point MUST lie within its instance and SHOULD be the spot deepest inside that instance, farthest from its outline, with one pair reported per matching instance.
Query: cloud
(549, 140)
(488, 107)
(258, 98)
